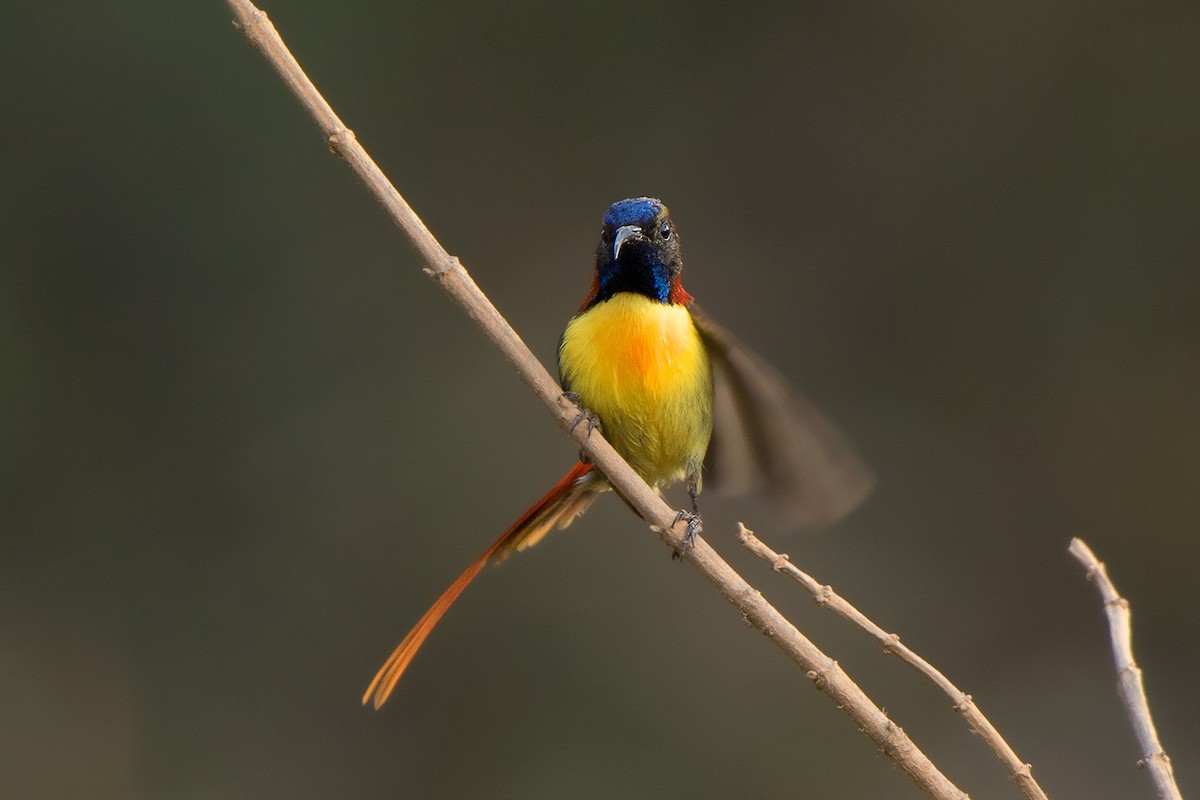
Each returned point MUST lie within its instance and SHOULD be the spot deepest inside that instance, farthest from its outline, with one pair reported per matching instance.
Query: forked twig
(1129, 674)
(823, 671)
(1020, 772)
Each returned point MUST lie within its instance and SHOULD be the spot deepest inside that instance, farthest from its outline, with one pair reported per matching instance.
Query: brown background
(244, 442)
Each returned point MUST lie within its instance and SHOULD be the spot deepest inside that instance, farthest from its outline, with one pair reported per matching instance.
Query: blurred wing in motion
(766, 435)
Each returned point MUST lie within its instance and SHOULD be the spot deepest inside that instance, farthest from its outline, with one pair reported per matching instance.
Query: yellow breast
(641, 366)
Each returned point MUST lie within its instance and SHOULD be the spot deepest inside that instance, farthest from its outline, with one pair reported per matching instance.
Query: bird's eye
(665, 230)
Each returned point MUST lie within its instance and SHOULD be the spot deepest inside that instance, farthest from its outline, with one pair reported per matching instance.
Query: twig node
(339, 139)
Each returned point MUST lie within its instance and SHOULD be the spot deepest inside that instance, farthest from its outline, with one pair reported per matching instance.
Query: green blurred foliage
(244, 441)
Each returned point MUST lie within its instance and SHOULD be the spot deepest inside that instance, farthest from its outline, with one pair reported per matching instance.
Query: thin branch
(823, 671)
(1129, 674)
(1020, 772)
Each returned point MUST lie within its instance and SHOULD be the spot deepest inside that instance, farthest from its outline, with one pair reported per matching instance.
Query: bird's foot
(585, 415)
(689, 536)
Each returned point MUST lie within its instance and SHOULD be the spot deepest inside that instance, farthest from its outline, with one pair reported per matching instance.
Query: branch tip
(824, 595)
(1130, 686)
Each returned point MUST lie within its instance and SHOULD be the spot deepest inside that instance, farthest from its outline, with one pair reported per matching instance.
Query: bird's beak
(624, 234)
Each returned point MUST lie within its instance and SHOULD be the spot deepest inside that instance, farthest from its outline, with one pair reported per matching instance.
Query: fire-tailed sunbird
(677, 397)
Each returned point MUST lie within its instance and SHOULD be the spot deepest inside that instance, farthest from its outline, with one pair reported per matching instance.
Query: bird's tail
(569, 498)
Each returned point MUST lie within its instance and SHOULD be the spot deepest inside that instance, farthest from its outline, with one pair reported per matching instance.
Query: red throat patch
(678, 294)
(587, 301)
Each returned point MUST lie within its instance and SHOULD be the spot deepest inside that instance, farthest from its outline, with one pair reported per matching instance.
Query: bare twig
(1019, 771)
(1129, 674)
(823, 671)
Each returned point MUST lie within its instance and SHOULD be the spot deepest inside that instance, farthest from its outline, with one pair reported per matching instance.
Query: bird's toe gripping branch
(689, 537)
(585, 415)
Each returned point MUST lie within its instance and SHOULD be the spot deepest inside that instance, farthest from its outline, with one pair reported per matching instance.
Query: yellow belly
(641, 367)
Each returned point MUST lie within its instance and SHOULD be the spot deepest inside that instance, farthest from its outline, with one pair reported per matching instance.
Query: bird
(678, 397)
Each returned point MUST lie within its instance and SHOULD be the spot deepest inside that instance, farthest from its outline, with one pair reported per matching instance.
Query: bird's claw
(689, 536)
(585, 414)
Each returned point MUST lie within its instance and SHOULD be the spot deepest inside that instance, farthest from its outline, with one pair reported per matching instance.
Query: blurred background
(245, 442)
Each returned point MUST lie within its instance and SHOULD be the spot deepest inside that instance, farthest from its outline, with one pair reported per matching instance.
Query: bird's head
(639, 252)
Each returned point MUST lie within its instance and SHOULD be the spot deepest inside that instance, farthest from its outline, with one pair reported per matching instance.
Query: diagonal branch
(1020, 772)
(823, 671)
(1129, 674)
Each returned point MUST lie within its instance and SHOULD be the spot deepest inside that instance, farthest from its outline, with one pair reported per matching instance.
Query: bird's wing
(767, 435)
